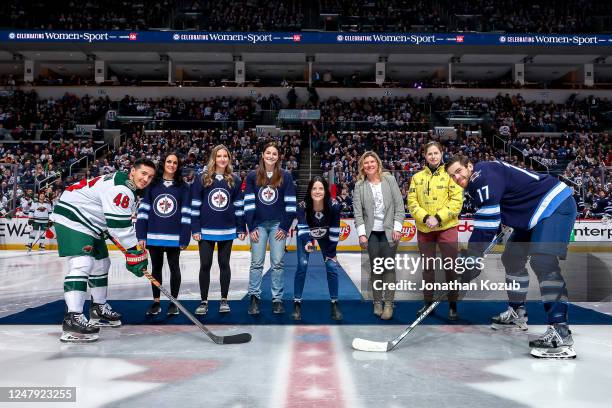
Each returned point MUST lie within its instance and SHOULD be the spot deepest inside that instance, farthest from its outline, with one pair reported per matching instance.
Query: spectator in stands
(435, 201)
(379, 216)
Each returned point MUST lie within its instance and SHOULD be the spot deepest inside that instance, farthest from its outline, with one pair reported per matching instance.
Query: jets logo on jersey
(165, 205)
(268, 195)
(218, 199)
(318, 232)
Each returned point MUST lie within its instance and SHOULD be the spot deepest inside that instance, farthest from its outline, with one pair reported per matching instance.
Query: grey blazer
(363, 205)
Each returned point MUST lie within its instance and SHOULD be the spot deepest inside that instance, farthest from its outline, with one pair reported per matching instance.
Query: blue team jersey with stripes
(325, 231)
(217, 210)
(267, 203)
(506, 194)
(164, 216)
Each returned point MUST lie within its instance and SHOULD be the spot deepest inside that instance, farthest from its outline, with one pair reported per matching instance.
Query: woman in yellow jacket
(435, 201)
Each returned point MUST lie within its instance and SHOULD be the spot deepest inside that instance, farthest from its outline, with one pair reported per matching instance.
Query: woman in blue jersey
(269, 209)
(217, 217)
(318, 219)
(163, 225)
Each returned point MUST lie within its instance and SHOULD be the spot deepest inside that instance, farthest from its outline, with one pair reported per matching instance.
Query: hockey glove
(471, 266)
(136, 261)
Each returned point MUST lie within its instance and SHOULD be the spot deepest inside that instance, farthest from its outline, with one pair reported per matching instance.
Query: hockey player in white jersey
(83, 214)
(38, 219)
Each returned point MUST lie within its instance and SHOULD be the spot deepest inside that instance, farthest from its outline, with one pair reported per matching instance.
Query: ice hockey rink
(172, 363)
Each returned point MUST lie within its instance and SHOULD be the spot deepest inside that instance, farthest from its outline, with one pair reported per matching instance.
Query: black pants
(206, 256)
(157, 262)
(378, 247)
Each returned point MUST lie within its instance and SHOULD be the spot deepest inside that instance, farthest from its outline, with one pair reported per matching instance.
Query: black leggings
(157, 261)
(206, 256)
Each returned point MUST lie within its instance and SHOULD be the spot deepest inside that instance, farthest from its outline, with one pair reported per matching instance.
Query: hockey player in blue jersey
(318, 219)
(542, 211)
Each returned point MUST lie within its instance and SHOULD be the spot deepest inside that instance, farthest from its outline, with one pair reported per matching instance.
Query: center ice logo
(218, 199)
(268, 195)
(165, 206)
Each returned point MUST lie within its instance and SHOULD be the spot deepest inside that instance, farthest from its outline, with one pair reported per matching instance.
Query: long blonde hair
(362, 176)
(208, 175)
(277, 175)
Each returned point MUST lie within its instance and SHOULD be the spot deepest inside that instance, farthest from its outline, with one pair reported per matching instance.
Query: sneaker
(76, 329)
(154, 309)
(203, 308)
(423, 308)
(297, 310)
(254, 306)
(387, 311)
(277, 307)
(102, 315)
(173, 310)
(510, 319)
(224, 306)
(336, 313)
(378, 308)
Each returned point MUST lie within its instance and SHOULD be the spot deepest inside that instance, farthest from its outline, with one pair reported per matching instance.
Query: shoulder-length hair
(178, 177)
(327, 200)
(362, 176)
(208, 175)
(277, 175)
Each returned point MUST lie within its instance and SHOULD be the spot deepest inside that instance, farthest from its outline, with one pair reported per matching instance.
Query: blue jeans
(267, 230)
(332, 267)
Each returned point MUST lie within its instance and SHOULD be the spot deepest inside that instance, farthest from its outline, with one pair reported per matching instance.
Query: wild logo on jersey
(268, 195)
(165, 205)
(219, 199)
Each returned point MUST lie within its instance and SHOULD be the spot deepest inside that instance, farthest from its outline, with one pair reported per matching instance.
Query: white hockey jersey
(39, 212)
(104, 203)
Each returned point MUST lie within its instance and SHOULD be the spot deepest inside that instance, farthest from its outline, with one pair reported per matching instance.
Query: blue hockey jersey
(164, 215)
(217, 211)
(266, 203)
(506, 194)
(325, 231)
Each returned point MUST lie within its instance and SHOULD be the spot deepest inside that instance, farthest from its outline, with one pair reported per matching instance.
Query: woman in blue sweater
(217, 216)
(163, 225)
(318, 219)
(269, 209)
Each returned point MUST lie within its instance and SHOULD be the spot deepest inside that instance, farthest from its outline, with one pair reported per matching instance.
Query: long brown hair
(277, 175)
(208, 175)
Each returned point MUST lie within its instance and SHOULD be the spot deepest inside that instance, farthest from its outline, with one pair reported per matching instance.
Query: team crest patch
(268, 195)
(87, 249)
(218, 199)
(165, 206)
(318, 232)
(475, 175)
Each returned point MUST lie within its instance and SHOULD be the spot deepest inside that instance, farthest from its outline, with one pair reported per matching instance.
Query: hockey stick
(369, 345)
(44, 232)
(231, 339)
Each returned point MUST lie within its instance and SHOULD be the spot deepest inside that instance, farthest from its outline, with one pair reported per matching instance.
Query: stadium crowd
(520, 16)
(36, 135)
